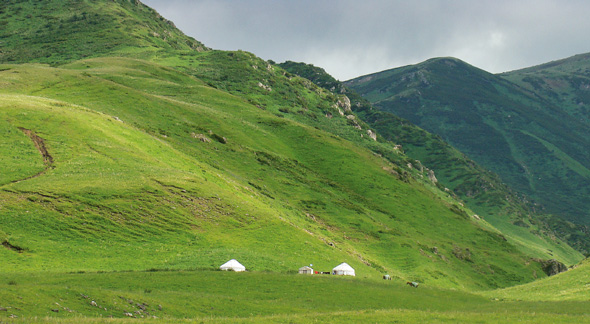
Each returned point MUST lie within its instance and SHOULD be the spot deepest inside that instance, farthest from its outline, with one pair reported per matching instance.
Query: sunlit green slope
(210, 297)
(140, 178)
(56, 31)
(573, 285)
(177, 158)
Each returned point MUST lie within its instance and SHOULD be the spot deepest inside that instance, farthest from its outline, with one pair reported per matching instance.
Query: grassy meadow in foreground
(210, 296)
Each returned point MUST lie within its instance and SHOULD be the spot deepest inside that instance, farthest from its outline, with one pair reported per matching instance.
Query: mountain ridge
(507, 127)
(484, 192)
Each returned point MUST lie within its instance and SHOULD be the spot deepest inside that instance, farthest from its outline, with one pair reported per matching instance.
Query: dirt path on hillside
(40, 145)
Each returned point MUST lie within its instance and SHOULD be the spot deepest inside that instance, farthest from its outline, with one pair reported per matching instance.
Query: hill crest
(42, 31)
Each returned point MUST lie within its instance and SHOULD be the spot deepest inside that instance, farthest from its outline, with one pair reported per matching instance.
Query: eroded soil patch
(9, 246)
(40, 145)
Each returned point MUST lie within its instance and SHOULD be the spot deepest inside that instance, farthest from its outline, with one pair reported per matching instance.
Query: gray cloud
(350, 38)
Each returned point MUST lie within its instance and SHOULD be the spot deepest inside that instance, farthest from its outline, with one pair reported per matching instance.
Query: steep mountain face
(537, 146)
(564, 83)
(482, 191)
(178, 158)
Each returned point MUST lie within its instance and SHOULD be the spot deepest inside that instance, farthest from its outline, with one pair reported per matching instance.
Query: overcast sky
(350, 38)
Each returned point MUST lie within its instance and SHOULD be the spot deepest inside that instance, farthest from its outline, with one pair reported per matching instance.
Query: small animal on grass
(412, 284)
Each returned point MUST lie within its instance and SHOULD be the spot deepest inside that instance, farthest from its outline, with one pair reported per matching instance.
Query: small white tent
(343, 269)
(306, 270)
(232, 265)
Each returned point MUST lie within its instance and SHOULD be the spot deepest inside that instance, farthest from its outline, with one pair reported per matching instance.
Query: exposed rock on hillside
(344, 103)
(552, 267)
(432, 177)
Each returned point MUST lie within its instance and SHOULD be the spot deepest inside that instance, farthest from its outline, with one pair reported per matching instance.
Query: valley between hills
(135, 161)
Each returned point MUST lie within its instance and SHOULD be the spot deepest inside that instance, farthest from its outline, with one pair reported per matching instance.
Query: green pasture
(212, 296)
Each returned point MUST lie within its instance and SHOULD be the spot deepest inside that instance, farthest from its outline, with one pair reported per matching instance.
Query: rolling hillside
(157, 156)
(573, 285)
(482, 191)
(535, 146)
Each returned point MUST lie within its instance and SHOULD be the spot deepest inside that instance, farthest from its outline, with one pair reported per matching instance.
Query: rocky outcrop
(432, 177)
(352, 121)
(344, 103)
(551, 267)
(201, 137)
(265, 87)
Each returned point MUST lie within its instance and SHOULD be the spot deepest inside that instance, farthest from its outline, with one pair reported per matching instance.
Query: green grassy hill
(483, 191)
(42, 31)
(187, 181)
(535, 146)
(564, 83)
(573, 285)
(151, 156)
(191, 158)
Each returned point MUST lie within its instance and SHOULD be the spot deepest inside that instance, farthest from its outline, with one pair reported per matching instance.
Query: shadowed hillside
(536, 146)
(483, 191)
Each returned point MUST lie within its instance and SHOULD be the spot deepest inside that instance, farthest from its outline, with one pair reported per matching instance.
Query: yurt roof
(343, 267)
(233, 263)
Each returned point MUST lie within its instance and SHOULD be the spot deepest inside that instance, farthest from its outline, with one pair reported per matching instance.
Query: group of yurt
(342, 269)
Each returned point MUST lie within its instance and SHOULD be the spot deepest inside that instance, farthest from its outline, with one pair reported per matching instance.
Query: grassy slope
(270, 186)
(178, 202)
(563, 83)
(42, 31)
(502, 127)
(572, 285)
(132, 186)
(483, 191)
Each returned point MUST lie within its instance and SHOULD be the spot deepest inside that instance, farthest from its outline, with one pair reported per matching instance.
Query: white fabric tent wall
(343, 269)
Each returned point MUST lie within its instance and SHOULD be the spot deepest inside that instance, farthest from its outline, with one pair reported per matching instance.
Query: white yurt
(232, 265)
(306, 270)
(343, 269)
